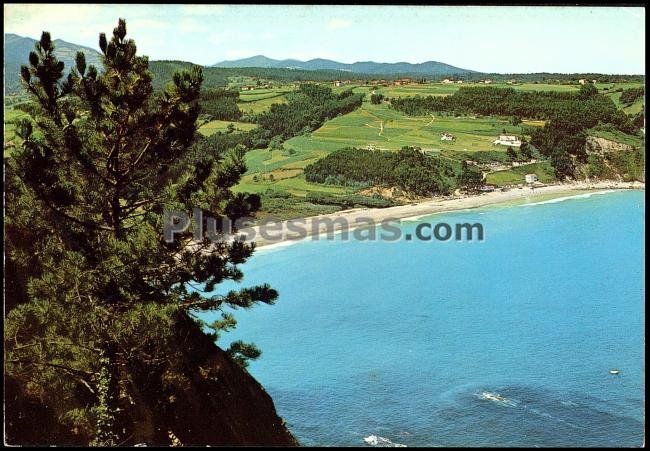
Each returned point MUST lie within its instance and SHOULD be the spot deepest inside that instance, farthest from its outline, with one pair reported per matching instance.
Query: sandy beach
(294, 230)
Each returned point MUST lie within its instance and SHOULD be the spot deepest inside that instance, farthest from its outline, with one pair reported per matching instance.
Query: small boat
(614, 371)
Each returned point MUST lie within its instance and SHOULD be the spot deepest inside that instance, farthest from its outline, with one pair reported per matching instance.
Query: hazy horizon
(480, 38)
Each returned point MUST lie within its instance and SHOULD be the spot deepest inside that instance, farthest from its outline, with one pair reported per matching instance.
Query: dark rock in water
(210, 401)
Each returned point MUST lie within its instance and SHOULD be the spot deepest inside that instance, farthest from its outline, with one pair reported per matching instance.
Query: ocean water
(505, 342)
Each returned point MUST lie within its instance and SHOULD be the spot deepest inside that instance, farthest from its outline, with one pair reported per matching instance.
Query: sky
(483, 38)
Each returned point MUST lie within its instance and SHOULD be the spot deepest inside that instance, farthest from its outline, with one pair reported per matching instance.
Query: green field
(222, 126)
(634, 108)
(259, 100)
(515, 176)
(442, 89)
(614, 91)
(384, 128)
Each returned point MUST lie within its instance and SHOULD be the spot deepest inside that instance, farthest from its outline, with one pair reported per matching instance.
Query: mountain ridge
(366, 67)
(17, 50)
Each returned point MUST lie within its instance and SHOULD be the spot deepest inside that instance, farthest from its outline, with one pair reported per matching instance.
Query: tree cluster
(408, 169)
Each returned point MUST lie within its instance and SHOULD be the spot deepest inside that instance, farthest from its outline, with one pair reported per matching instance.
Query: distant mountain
(363, 67)
(17, 50)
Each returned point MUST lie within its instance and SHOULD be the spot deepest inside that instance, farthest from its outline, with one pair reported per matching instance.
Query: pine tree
(99, 297)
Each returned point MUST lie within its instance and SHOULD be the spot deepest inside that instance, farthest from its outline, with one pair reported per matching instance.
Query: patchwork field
(259, 100)
(380, 127)
(384, 128)
(375, 126)
(447, 89)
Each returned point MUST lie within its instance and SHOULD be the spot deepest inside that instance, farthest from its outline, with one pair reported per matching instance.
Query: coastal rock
(601, 145)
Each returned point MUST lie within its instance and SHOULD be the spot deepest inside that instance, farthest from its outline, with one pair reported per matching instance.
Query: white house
(508, 140)
(582, 81)
(447, 81)
(447, 137)
(531, 178)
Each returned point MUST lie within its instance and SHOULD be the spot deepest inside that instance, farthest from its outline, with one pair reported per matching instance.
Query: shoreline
(414, 211)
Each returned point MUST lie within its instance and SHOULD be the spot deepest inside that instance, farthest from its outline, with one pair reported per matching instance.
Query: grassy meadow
(215, 126)
(515, 176)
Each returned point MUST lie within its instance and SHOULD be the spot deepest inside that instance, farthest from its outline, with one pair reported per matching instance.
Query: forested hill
(364, 67)
(214, 77)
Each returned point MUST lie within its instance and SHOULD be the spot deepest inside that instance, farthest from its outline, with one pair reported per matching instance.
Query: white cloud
(338, 24)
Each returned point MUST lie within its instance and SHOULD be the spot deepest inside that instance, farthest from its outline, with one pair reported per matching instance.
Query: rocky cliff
(600, 146)
(212, 402)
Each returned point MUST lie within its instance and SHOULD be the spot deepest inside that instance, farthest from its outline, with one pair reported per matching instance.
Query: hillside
(17, 50)
(218, 76)
(365, 67)
(218, 404)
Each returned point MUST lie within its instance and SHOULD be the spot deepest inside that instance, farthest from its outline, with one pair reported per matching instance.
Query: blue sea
(505, 342)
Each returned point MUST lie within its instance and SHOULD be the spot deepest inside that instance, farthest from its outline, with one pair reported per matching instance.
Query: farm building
(582, 81)
(459, 81)
(531, 178)
(337, 83)
(447, 81)
(508, 140)
(447, 137)
(403, 81)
